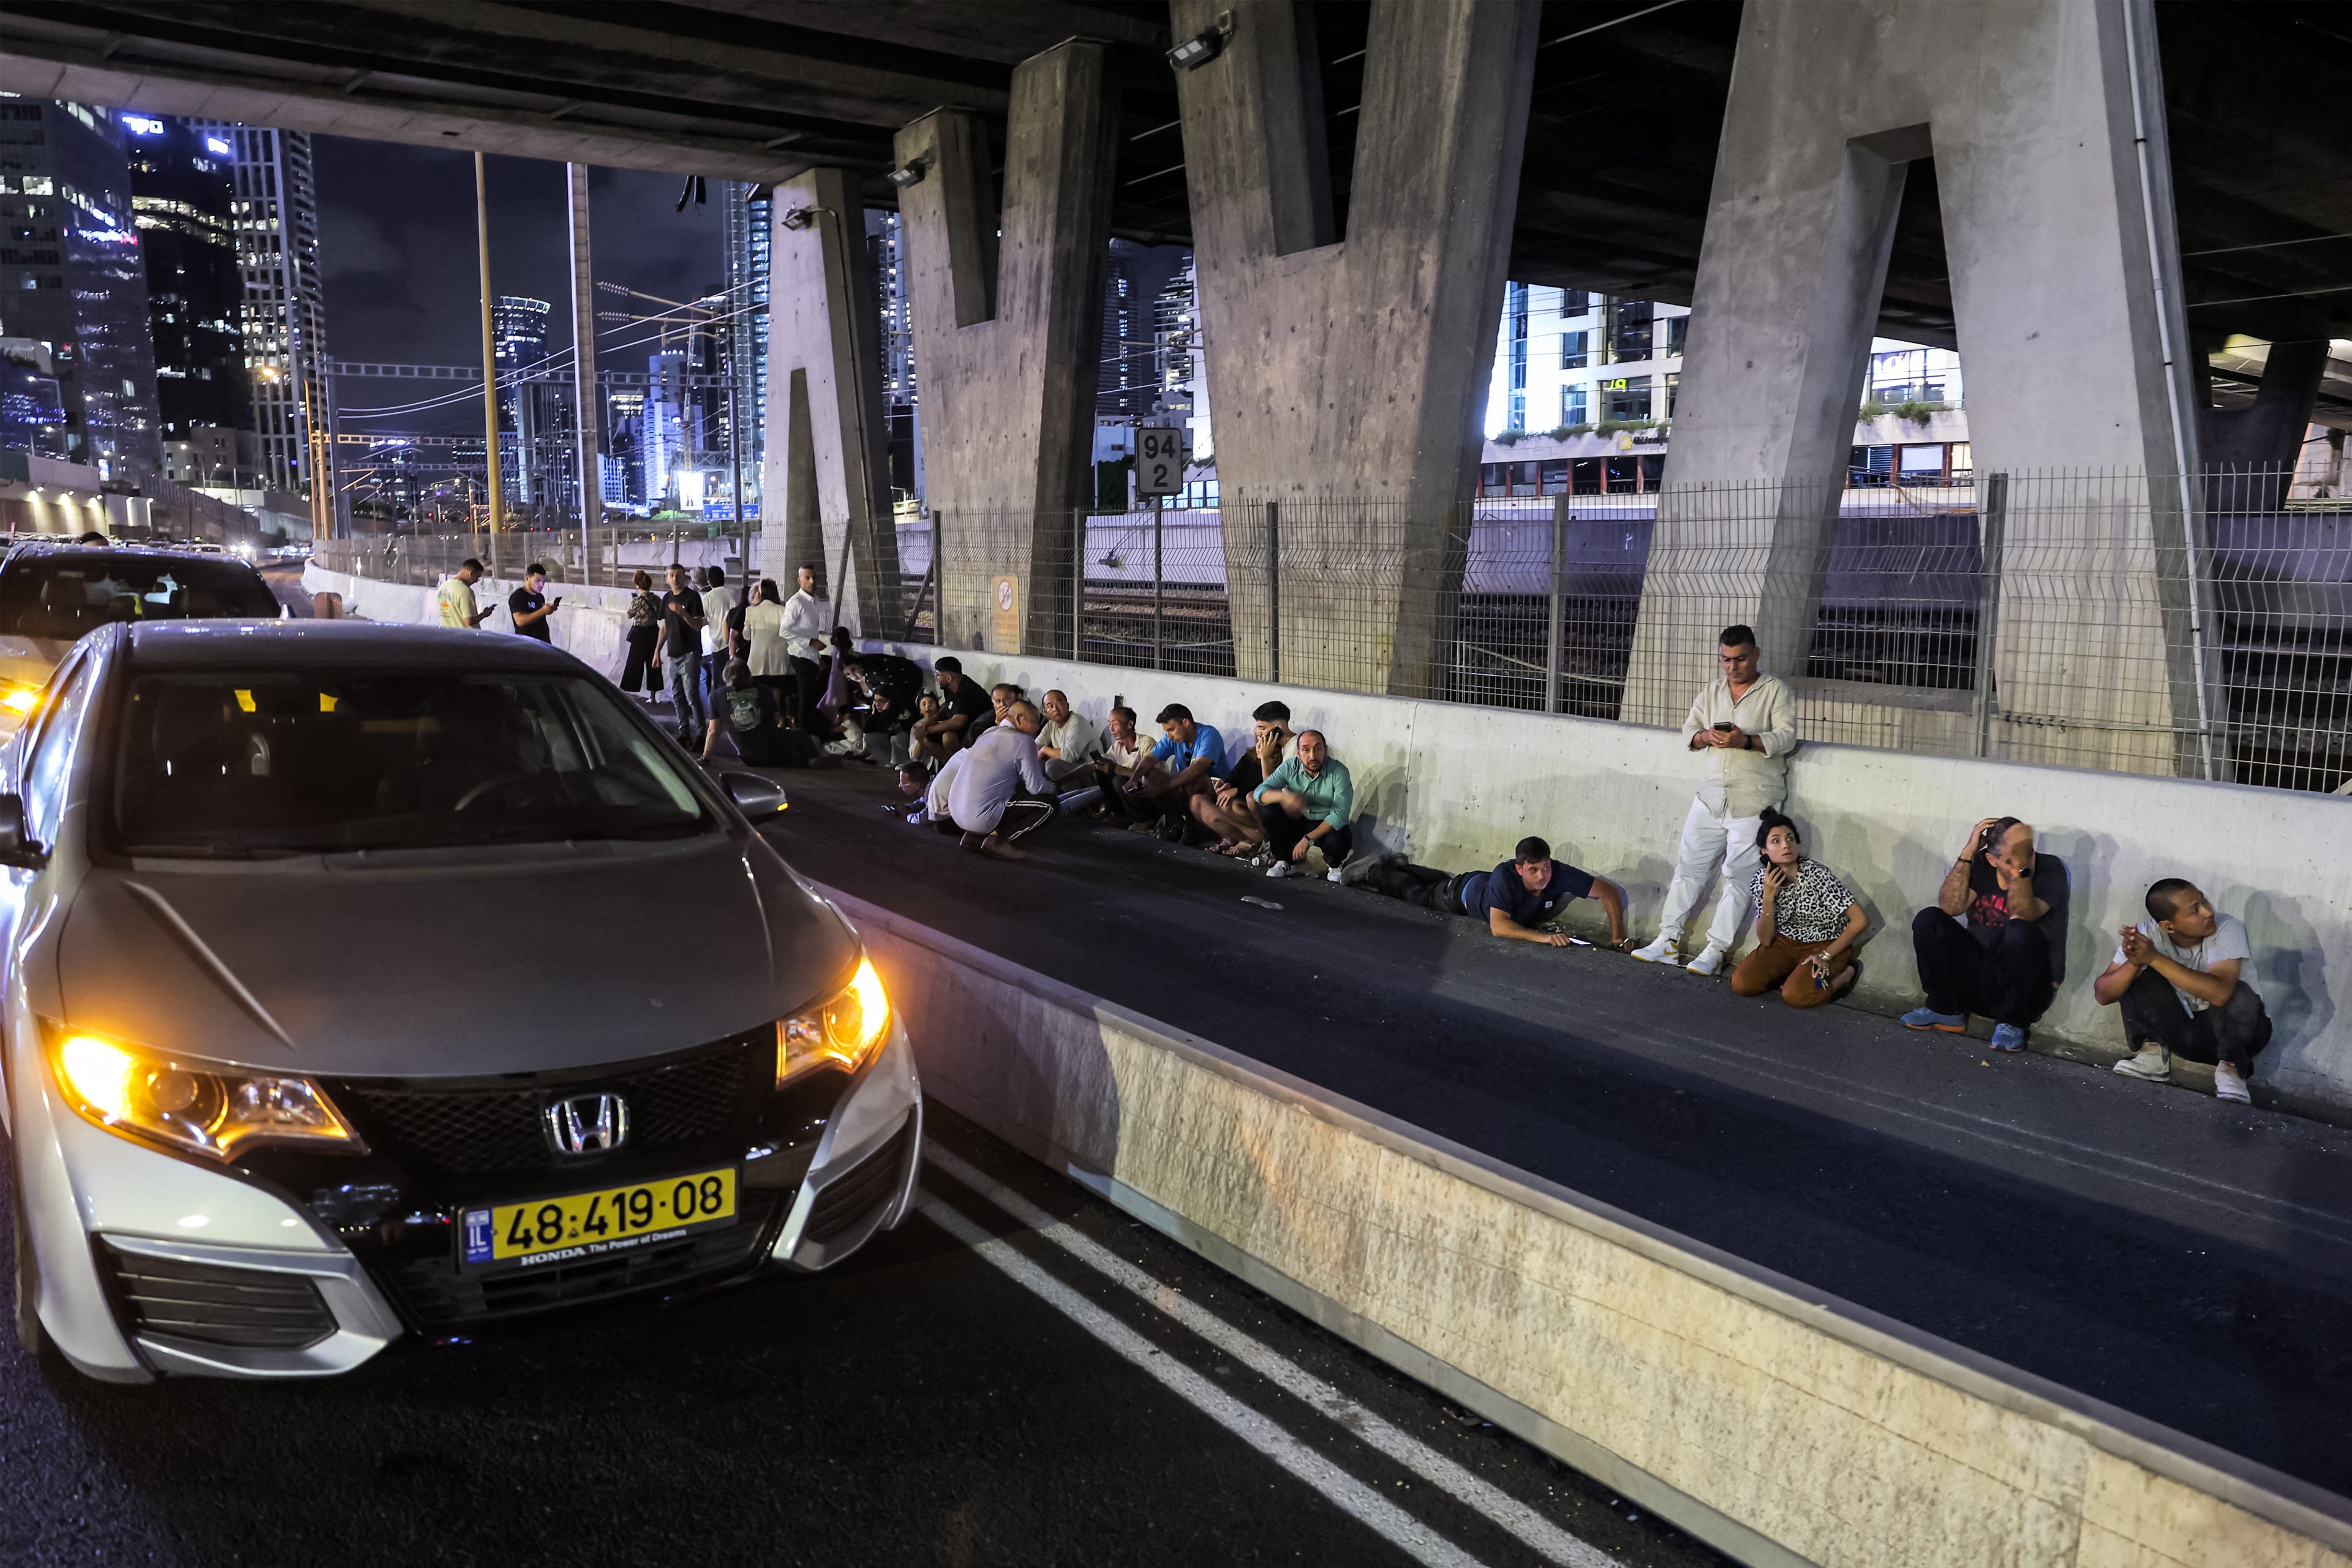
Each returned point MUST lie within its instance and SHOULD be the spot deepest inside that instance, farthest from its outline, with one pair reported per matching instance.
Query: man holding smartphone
(1743, 726)
(1995, 943)
(530, 606)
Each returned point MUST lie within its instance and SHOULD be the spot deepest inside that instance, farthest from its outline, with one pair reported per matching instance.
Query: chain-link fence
(604, 559)
(2087, 620)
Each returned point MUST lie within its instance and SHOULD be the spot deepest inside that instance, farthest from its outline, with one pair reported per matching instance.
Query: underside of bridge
(1623, 121)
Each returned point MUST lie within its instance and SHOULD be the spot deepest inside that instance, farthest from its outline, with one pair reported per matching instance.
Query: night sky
(396, 252)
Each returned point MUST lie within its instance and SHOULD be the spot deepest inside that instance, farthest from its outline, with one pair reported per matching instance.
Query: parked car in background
(332, 1011)
(53, 593)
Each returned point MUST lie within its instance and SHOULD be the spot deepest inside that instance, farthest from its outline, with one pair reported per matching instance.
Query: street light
(910, 172)
(1203, 45)
(805, 218)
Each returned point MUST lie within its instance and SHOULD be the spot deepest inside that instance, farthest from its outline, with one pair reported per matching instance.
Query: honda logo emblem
(588, 1123)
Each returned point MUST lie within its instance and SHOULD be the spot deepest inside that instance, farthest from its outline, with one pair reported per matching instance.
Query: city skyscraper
(750, 214)
(275, 214)
(81, 378)
(901, 416)
(518, 331)
(1175, 333)
(182, 187)
(1129, 381)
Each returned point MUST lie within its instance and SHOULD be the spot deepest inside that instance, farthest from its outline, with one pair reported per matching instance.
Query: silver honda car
(365, 980)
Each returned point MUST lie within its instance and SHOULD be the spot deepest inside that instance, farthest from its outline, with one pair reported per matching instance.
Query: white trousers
(1709, 839)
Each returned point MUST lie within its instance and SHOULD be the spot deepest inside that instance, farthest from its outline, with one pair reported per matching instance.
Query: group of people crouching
(993, 770)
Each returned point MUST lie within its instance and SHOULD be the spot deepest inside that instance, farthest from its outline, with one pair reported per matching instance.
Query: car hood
(514, 961)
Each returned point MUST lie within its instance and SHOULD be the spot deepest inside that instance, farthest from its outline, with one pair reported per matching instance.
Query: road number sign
(1158, 461)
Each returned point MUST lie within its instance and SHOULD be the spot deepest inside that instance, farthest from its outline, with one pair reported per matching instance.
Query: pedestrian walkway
(2182, 1258)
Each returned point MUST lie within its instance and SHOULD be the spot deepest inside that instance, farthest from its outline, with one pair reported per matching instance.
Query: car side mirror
(16, 846)
(754, 796)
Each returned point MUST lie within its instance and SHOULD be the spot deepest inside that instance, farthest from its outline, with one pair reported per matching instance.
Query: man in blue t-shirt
(1189, 757)
(1517, 900)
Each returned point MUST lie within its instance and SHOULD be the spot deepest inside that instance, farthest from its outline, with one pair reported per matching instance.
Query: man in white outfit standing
(808, 621)
(1744, 725)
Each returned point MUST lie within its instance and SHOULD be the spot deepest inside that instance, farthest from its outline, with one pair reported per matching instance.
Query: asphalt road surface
(971, 1389)
(2184, 1258)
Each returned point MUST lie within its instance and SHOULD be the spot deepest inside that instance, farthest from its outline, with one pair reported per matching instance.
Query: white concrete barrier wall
(1780, 1427)
(1457, 787)
(592, 625)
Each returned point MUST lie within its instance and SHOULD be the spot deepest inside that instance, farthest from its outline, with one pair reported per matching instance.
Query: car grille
(851, 1198)
(439, 1297)
(246, 1308)
(466, 1132)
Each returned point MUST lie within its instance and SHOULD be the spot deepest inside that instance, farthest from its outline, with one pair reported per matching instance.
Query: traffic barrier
(1777, 1424)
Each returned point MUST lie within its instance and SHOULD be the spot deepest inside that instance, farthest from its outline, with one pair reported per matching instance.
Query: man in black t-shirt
(1224, 808)
(1995, 941)
(529, 605)
(1516, 900)
(680, 648)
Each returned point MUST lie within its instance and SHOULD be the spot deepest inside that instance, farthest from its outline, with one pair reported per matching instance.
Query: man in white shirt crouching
(978, 793)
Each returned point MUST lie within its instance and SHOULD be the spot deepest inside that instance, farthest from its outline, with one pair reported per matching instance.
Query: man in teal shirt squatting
(1308, 801)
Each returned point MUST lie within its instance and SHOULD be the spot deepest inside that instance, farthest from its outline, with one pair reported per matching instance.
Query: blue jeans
(686, 698)
(714, 680)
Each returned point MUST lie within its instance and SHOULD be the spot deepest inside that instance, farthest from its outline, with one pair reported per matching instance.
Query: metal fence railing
(2102, 620)
(606, 558)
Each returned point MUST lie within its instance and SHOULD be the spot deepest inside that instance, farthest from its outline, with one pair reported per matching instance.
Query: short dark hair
(474, 562)
(1740, 636)
(718, 576)
(535, 569)
(737, 675)
(1531, 849)
(1274, 713)
(807, 566)
(1175, 713)
(2163, 898)
(1772, 819)
(948, 664)
(1122, 710)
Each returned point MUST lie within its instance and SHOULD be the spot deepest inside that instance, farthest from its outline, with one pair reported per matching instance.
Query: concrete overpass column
(826, 481)
(1349, 373)
(1008, 333)
(2064, 271)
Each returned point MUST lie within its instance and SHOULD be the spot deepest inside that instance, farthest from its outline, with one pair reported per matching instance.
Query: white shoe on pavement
(2151, 1062)
(1665, 950)
(1279, 869)
(2228, 1085)
(1709, 961)
(1333, 875)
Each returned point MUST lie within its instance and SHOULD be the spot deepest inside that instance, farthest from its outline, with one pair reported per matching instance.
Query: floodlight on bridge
(1203, 45)
(805, 218)
(909, 174)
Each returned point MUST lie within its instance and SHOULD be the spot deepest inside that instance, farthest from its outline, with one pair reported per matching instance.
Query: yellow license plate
(597, 1224)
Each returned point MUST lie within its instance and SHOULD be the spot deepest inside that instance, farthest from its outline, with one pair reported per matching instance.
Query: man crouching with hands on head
(2179, 978)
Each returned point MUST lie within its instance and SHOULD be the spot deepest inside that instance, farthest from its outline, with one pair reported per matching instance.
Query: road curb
(1776, 1423)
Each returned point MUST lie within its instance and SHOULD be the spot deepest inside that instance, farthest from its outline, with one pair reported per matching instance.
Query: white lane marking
(1350, 1496)
(1548, 1539)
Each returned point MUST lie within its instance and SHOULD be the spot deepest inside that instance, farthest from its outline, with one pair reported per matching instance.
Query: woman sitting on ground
(1806, 922)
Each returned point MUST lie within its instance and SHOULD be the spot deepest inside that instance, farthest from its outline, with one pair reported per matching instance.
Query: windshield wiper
(210, 852)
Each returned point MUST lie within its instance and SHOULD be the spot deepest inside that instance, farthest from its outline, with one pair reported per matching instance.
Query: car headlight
(193, 1106)
(840, 1032)
(19, 697)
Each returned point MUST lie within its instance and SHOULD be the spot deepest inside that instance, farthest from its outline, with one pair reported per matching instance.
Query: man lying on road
(1516, 898)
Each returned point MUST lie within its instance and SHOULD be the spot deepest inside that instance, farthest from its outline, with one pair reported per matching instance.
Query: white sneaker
(1665, 950)
(1279, 869)
(1707, 962)
(1333, 875)
(2228, 1085)
(2151, 1062)
(843, 747)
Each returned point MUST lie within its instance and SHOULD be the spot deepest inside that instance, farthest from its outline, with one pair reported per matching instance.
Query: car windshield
(248, 764)
(63, 597)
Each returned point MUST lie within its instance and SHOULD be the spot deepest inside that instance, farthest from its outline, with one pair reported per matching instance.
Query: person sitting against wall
(1189, 758)
(892, 686)
(753, 719)
(1807, 923)
(994, 793)
(938, 736)
(1309, 803)
(1065, 745)
(1995, 943)
(1227, 807)
(1116, 764)
(2181, 979)
(1517, 900)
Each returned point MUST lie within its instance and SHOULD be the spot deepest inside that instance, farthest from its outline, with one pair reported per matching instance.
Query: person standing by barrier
(1995, 943)
(718, 599)
(643, 671)
(681, 650)
(2181, 980)
(808, 618)
(1743, 725)
(529, 605)
(455, 599)
(1807, 923)
(1517, 900)
(771, 667)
